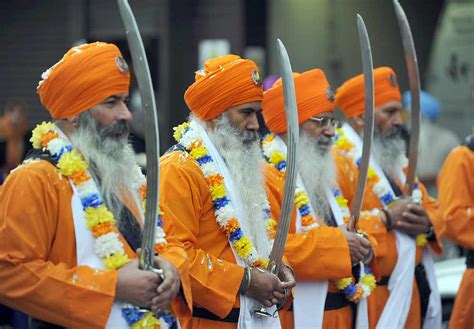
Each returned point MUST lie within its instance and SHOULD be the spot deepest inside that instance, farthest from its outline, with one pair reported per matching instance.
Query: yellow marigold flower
(198, 152)
(116, 261)
(341, 201)
(301, 198)
(342, 283)
(217, 191)
(179, 131)
(71, 163)
(242, 246)
(371, 173)
(369, 281)
(99, 215)
(421, 240)
(343, 143)
(277, 157)
(339, 131)
(147, 322)
(39, 131)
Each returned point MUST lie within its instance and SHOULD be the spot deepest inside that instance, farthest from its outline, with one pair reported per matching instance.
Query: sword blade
(142, 73)
(291, 112)
(367, 66)
(414, 78)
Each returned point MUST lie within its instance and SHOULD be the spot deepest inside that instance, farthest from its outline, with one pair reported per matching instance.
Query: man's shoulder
(32, 172)
(179, 160)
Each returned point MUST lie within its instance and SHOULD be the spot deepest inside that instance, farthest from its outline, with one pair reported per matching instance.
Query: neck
(284, 137)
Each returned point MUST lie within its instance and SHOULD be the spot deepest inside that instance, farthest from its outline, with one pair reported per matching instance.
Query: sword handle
(262, 311)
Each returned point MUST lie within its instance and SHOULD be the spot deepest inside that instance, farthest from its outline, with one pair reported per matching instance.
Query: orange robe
(38, 265)
(456, 203)
(386, 250)
(324, 248)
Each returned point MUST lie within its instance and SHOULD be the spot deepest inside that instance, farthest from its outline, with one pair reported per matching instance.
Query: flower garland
(354, 292)
(383, 192)
(224, 211)
(101, 222)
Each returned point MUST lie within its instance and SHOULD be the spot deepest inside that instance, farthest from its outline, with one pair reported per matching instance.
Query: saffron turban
(350, 97)
(224, 82)
(84, 77)
(313, 96)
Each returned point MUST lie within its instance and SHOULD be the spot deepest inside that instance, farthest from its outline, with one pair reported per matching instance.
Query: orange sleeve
(431, 207)
(456, 196)
(55, 290)
(311, 254)
(183, 191)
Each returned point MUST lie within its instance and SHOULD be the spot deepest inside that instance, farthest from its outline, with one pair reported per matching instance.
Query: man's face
(112, 110)
(388, 117)
(244, 118)
(321, 128)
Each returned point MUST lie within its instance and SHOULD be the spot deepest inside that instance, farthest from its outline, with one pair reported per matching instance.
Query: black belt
(232, 317)
(334, 301)
(470, 258)
(383, 281)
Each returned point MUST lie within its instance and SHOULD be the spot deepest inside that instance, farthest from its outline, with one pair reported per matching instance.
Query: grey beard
(110, 157)
(317, 170)
(389, 149)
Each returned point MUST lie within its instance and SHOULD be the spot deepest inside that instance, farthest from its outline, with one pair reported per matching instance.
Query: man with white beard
(319, 248)
(71, 216)
(213, 186)
(406, 296)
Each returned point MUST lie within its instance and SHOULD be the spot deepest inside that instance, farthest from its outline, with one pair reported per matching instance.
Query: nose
(330, 131)
(252, 122)
(124, 113)
(397, 119)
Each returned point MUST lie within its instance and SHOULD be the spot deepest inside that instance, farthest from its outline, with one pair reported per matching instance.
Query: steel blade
(367, 66)
(291, 112)
(414, 78)
(142, 73)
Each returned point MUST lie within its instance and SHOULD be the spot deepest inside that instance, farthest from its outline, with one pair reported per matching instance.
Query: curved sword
(414, 78)
(142, 73)
(292, 127)
(367, 66)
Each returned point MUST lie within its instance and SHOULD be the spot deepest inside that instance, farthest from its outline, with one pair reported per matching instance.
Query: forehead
(328, 114)
(390, 106)
(257, 105)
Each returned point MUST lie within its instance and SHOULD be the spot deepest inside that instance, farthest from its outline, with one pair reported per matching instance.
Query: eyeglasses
(325, 122)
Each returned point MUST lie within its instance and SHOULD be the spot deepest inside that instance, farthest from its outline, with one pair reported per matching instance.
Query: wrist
(388, 219)
(245, 284)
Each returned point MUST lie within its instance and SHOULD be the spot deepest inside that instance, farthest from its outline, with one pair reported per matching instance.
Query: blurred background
(179, 35)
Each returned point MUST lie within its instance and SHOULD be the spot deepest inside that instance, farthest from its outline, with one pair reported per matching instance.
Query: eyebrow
(251, 109)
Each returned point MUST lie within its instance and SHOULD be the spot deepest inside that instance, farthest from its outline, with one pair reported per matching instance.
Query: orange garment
(38, 270)
(325, 248)
(84, 77)
(313, 95)
(350, 97)
(456, 203)
(386, 250)
(224, 82)
(214, 273)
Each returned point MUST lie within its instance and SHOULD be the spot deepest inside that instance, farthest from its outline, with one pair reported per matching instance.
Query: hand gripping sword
(145, 86)
(291, 111)
(367, 66)
(414, 78)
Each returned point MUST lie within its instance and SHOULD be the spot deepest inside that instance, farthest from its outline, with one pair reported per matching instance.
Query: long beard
(389, 150)
(110, 157)
(317, 170)
(243, 157)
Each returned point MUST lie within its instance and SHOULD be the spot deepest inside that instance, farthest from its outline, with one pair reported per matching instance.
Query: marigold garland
(99, 219)
(354, 292)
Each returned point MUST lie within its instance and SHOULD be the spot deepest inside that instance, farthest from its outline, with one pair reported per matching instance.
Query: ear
(74, 120)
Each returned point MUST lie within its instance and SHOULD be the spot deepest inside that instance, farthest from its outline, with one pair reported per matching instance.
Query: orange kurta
(324, 248)
(386, 250)
(215, 276)
(38, 270)
(456, 203)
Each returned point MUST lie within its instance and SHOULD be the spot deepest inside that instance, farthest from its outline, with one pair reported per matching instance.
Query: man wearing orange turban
(456, 200)
(321, 253)
(71, 215)
(406, 296)
(213, 187)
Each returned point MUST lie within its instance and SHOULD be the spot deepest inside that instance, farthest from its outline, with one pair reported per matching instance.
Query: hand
(135, 286)
(266, 288)
(359, 246)
(168, 289)
(414, 220)
(287, 278)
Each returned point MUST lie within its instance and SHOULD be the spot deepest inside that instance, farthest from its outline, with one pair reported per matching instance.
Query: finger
(267, 303)
(364, 242)
(410, 228)
(412, 218)
(166, 284)
(163, 300)
(275, 301)
(289, 284)
(278, 295)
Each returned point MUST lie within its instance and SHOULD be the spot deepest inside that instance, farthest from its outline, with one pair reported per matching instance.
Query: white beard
(389, 150)
(243, 157)
(318, 172)
(111, 161)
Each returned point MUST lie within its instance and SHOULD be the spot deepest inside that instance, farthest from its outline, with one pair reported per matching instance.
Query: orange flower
(357, 295)
(160, 247)
(47, 137)
(214, 180)
(80, 177)
(231, 226)
(101, 229)
(307, 220)
(142, 191)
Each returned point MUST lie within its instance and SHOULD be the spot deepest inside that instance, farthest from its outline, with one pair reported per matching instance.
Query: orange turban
(224, 82)
(350, 97)
(84, 77)
(313, 96)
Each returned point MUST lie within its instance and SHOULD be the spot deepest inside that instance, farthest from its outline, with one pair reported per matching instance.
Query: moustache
(117, 130)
